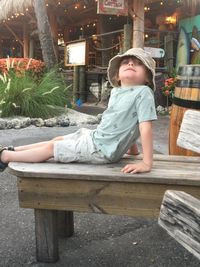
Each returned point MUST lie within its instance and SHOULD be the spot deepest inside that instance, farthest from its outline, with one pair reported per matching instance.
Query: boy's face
(132, 72)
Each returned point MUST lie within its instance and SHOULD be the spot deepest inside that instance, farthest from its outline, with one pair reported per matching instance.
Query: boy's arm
(147, 147)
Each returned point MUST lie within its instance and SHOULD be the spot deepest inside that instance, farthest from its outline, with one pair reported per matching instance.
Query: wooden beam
(180, 217)
(138, 23)
(26, 40)
(189, 134)
(13, 33)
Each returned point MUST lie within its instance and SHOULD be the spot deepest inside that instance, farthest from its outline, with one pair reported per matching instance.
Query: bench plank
(189, 134)
(180, 217)
(133, 199)
(185, 171)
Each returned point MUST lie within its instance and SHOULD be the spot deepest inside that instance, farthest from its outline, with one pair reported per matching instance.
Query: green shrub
(23, 95)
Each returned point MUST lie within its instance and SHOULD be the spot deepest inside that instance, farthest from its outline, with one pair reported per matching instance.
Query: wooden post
(180, 217)
(26, 40)
(104, 27)
(65, 223)
(82, 83)
(1, 50)
(138, 23)
(46, 235)
(127, 37)
(31, 48)
(76, 83)
(168, 47)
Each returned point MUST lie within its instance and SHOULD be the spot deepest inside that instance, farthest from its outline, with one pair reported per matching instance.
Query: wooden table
(51, 187)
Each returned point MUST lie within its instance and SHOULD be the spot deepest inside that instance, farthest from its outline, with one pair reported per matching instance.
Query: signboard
(155, 52)
(75, 53)
(112, 7)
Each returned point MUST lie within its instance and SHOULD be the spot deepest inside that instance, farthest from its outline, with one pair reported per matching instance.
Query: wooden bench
(55, 190)
(180, 212)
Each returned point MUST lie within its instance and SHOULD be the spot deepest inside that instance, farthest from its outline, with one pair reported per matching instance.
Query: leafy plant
(24, 95)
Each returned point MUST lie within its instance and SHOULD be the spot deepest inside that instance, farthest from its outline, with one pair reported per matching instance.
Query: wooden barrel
(186, 96)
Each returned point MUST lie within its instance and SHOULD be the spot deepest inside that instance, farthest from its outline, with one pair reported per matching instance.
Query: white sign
(75, 53)
(155, 52)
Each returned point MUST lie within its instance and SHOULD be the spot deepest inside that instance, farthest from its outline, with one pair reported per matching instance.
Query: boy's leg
(35, 145)
(37, 154)
(133, 150)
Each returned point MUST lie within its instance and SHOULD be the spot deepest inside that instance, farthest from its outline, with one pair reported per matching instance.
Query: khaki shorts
(78, 147)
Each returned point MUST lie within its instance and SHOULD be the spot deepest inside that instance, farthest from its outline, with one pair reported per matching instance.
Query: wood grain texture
(46, 235)
(51, 187)
(65, 223)
(166, 170)
(189, 135)
(180, 217)
(108, 197)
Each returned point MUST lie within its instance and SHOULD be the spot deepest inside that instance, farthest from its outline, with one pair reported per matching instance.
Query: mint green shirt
(119, 126)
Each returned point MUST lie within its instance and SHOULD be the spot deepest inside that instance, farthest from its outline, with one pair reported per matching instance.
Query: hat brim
(113, 67)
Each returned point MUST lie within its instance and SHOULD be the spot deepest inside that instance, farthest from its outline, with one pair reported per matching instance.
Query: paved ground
(99, 240)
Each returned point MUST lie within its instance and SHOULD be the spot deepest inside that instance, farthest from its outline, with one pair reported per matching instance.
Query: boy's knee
(58, 138)
(49, 146)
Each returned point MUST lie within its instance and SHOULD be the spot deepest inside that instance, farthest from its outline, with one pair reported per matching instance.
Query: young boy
(130, 112)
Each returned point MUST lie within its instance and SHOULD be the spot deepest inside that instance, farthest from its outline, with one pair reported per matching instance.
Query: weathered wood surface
(48, 187)
(189, 134)
(180, 217)
(65, 223)
(46, 235)
(166, 170)
(104, 188)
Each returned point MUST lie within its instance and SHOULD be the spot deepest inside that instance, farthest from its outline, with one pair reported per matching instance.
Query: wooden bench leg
(46, 235)
(65, 223)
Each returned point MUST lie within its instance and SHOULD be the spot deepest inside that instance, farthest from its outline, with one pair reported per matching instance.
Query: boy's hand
(135, 168)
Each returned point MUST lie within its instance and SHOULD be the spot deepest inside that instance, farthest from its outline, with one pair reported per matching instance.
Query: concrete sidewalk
(99, 240)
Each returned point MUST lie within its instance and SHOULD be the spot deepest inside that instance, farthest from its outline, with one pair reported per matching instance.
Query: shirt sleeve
(145, 105)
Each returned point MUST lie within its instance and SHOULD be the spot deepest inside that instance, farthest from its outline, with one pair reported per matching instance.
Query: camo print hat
(139, 53)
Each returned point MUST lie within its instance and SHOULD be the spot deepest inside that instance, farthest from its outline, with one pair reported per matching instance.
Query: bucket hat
(141, 54)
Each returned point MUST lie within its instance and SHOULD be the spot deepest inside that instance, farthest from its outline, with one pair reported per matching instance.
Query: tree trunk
(45, 36)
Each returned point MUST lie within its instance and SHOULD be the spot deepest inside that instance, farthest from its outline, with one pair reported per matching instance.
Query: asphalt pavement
(99, 240)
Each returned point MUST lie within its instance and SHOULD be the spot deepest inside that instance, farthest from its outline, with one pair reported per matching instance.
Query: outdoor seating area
(99, 133)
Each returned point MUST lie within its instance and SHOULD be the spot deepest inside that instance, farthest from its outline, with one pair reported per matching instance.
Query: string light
(147, 8)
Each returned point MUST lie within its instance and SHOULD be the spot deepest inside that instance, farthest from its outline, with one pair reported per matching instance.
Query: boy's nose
(130, 63)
